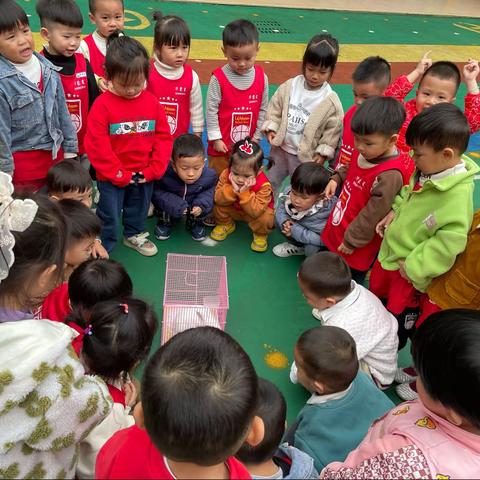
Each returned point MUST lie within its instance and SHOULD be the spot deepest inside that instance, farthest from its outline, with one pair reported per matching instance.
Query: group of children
(385, 188)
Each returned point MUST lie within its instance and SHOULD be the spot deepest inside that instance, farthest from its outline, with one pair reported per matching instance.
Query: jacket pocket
(27, 110)
(461, 289)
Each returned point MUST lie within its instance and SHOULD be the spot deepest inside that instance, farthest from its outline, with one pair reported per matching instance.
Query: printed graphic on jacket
(130, 128)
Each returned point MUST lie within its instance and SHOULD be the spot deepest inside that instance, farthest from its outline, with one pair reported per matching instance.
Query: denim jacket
(30, 119)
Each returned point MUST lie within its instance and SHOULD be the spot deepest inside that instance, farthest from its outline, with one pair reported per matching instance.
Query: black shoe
(197, 230)
(163, 229)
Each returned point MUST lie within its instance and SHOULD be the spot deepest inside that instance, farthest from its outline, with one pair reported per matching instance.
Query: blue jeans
(134, 200)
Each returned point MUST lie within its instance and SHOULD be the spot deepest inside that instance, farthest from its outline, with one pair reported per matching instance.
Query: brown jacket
(460, 286)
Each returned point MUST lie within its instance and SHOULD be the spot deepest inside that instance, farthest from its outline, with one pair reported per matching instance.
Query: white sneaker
(286, 249)
(151, 210)
(406, 391)
(317, 314)
(405, 375)
(141, 244)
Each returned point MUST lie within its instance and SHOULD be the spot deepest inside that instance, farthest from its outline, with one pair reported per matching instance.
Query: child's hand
(317, 158)
(342, 248)
(235, 186)
(470, 74)
(196, 211)
(402, 271)
(424, 63)
(130, 393)
(383, 224)
(330, 189)
(102, 84)
(287, 228)
(249, 182)
(98, 251)
(219, 146)
(270, 136)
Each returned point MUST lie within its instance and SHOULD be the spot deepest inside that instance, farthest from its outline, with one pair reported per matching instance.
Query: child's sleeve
(399, 88)
(214, 96)
(263, 110)
(70, 140)
(273, 117)
(204, 199)
(224, 193)
(331, 133)
(167, 201)
(255, 204)
(281, 215)
(196, 106)
(472, 111)
(6, 157)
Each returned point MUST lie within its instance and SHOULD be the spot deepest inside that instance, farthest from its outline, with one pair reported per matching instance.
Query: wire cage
(196, 293)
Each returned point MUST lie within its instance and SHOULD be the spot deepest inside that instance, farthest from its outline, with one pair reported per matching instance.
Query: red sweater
(131, 454)
(125, 136)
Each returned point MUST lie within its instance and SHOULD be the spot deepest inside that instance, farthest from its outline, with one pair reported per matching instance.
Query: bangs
(13, 17)
(172, 31)
(321, 55)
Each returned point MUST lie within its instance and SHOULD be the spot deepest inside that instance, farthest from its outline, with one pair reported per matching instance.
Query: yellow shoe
(221, 232)
(259, 243)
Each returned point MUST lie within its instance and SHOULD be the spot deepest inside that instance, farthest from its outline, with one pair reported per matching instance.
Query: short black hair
(68, 176)
(445, 71)
(187, 145)
(440, 126)
(328, 355)
(170, 30)
(373, 69)
(97, 280)
(239, 33)
(310, 178)
(382, 115)
(92, 5)
(445, 350)
(121, 334)
(248, 152)
(199, 393)
(13, 16)
(126, 58)
(326, 274)
(64, 12)
(81, 222)
(272, 409)
(322, 50)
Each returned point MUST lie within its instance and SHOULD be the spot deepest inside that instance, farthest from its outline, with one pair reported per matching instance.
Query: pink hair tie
(125, 308)
(88, 330)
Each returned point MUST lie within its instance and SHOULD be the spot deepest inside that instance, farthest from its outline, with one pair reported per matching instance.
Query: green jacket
(430, 227)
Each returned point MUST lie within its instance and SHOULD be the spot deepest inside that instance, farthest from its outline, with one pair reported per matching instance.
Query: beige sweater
(322, 130)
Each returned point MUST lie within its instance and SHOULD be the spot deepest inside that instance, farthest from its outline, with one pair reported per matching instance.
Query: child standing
(35, 128)
(369, 184)
(237, 96)
(129, 144)
(303, 211)
(304, 117)
(244, 193)
(186, 189)
(171, 80)
(108, 16)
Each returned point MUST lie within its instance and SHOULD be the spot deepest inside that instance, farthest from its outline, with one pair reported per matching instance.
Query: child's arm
(255, 204)
(273, 117)
(196, 106)
(6, 157)
(70, 140)
(472, 99)
(167, 201)
(224, 192)
(204, 199)
(214, 96)
(263, 110)
(281, 215)
(336, 180)
(328, 141)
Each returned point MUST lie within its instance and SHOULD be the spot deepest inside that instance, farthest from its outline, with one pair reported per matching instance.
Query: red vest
(174, 95)
(261, 180)
(354, 197)
(348, 146)
(97, 58)
(238, 110)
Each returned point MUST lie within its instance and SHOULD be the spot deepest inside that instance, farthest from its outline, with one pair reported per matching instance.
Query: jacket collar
(8, 70)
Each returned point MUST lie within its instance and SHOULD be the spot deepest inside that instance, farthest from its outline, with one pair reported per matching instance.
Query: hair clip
(246, 147)
(125, 308)
(88, 330)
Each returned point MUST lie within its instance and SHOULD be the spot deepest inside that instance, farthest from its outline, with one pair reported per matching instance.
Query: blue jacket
(301, 464)
(173, 196)
(30, 119)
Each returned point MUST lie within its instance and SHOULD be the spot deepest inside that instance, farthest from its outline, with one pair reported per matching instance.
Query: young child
(369, 184)
(36, 130)
(118, 336)
(244, 193)
(128, 143)
(370, 78)
(438, 435)
(187, 188)
(344, 400)
(439, 83)
(327, 285)
(304, 118)
(171, 80)
(61, 26)
(107, 16)
(237, 96)
(268, 459)
(303, 211)
(173, 437)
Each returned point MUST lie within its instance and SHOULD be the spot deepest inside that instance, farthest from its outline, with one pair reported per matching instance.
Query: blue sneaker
(197, 230)
(163, 230)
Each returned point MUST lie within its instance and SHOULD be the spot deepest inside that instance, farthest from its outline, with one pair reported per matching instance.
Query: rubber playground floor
(267, 311)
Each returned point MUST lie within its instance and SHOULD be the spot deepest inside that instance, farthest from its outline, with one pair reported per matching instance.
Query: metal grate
(270, 26)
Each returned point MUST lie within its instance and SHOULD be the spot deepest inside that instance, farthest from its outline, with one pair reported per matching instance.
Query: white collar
(328, 313)
(167, 70)
(317, 399)
(455, 170)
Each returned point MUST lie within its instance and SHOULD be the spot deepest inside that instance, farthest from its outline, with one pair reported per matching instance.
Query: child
(438, 435)
(303, 211)
(171, 80)
(327, 285)
(244, 193)
(36, 130)
(369, 79)
(187, 188)
(266, 459)
(304, 117)
(369, 184)
(439, 83)
(118, 336)
(108, 16)
(45, 398)
(237, 96)
(344, 401)
(128, 143)
(61, 27)
(199, 393)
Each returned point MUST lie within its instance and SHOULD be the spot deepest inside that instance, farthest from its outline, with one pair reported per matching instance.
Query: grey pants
(284, 166)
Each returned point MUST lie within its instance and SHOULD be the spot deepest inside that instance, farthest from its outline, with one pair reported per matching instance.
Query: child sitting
(118, 336)
(327, 285)
(199, 393)
(266, 459)
(369, 184)
(304, 117)
(244, 193)
(438, 435)
(187, 188)
(303, 211)
(344, 401)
